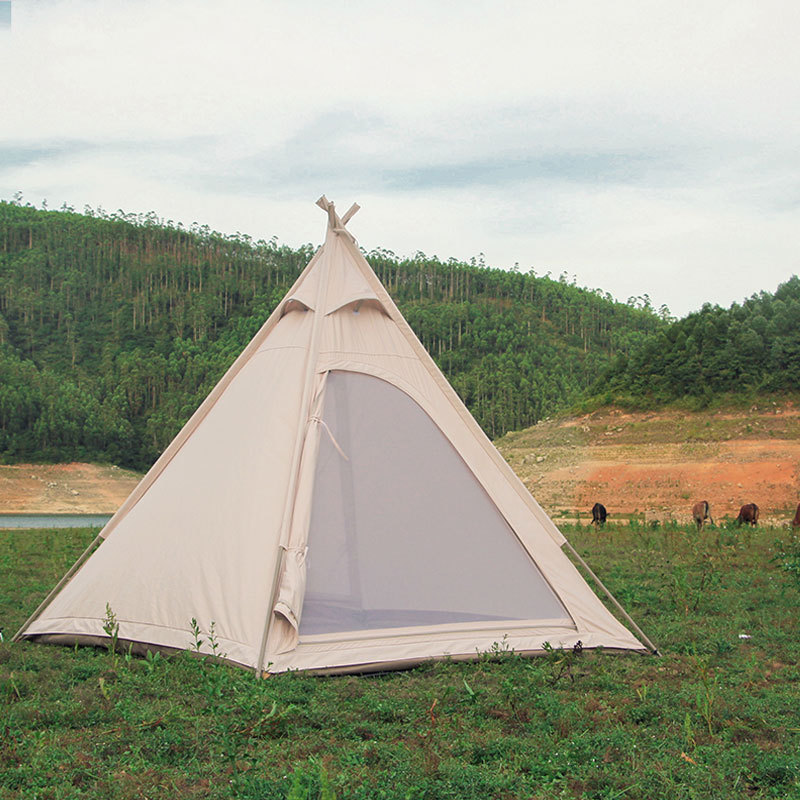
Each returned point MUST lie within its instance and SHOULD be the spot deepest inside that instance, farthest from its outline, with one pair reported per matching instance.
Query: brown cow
(796, 520)
(701, 511)
(748, 514)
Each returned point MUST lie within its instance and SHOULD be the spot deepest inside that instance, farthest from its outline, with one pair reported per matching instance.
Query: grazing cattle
(796, 520)
(599, 514)
(701, 512)
(748, 514)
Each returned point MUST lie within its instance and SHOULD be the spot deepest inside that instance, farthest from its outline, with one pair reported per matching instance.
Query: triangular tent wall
(332, 505)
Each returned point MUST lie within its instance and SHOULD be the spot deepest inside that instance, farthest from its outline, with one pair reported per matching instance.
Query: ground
(657, 465)
(645, 465)
(64, 488)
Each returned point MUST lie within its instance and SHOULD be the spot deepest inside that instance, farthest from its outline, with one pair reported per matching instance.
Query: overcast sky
(642, 147)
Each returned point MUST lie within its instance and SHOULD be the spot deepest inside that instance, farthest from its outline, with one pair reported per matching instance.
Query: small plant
(511, 694)
(104, 690)
(426, 737)
(197, 639)
(111, 629)
(311, 784)
(561, 661)
(688, 594)
(471, 693)
(787, 555)
(499, 650)
(706, 692)
(152, 659)
(213, 642)
(688, 732)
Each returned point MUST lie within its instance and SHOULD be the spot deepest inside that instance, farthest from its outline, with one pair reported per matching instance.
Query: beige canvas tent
(332, 505)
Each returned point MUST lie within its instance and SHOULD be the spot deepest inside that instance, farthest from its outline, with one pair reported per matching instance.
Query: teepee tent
(333, 506)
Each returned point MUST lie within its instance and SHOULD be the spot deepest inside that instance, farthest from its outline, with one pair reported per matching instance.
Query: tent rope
(330, 435)
(653, 649)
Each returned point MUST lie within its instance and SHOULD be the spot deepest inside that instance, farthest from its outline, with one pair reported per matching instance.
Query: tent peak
(335, 222)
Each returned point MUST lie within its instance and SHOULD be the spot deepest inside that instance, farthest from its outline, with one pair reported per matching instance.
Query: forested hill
(114, 327)
(752, 348)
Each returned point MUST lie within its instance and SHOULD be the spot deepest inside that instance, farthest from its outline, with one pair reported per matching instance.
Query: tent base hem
(142, 648)
(124, 645)
(411, 663)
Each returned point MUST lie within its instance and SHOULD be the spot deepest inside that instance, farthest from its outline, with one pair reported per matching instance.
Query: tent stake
(72, 570)
(642, 636)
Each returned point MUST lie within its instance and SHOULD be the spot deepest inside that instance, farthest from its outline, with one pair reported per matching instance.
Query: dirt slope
(64, 488)
(659, 464)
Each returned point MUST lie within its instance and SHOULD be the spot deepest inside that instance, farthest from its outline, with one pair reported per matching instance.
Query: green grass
(715, 717)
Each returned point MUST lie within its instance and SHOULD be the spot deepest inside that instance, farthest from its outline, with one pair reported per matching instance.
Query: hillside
(655, 465)
(752, 347)
(113, 328)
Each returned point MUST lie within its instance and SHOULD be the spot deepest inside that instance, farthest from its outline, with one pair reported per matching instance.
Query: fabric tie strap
(330, 435)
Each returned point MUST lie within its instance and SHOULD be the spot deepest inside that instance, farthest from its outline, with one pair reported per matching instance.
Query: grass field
(716, 716)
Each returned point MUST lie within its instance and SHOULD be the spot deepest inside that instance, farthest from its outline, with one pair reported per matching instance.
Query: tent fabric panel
(292, 332)
(283, 635)
(175, 555)
(392, 358)
(401, 533)
(345, 284)
(450, 394)
(202, 411)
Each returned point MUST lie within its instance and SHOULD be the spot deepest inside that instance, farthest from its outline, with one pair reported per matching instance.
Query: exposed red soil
(64, 488)
(657, 466)
(675, 487)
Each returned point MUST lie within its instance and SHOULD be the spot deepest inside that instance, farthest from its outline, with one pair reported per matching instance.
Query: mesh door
(401, 532)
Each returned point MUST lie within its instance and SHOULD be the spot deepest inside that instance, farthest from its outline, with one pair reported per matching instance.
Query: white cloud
(620, 142)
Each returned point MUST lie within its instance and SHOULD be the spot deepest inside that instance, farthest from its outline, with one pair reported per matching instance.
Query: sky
(639, 147)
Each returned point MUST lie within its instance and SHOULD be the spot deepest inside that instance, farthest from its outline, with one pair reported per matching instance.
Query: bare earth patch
(657, 465)
(64, 488)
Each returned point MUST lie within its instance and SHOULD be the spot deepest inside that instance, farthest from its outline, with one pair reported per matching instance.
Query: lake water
(53, 520)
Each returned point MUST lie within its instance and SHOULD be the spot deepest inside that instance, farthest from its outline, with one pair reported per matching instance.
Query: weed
(311, 784)
(213, 642)
(111, 629)
(787, 555)
(470, 691)
(688, 732)
(512, 693)
(688, 593)
(706, 694)
(104, 688)
(498, 651)
(197, 639)
(11, 689)
(561, 661)
(152, 659)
